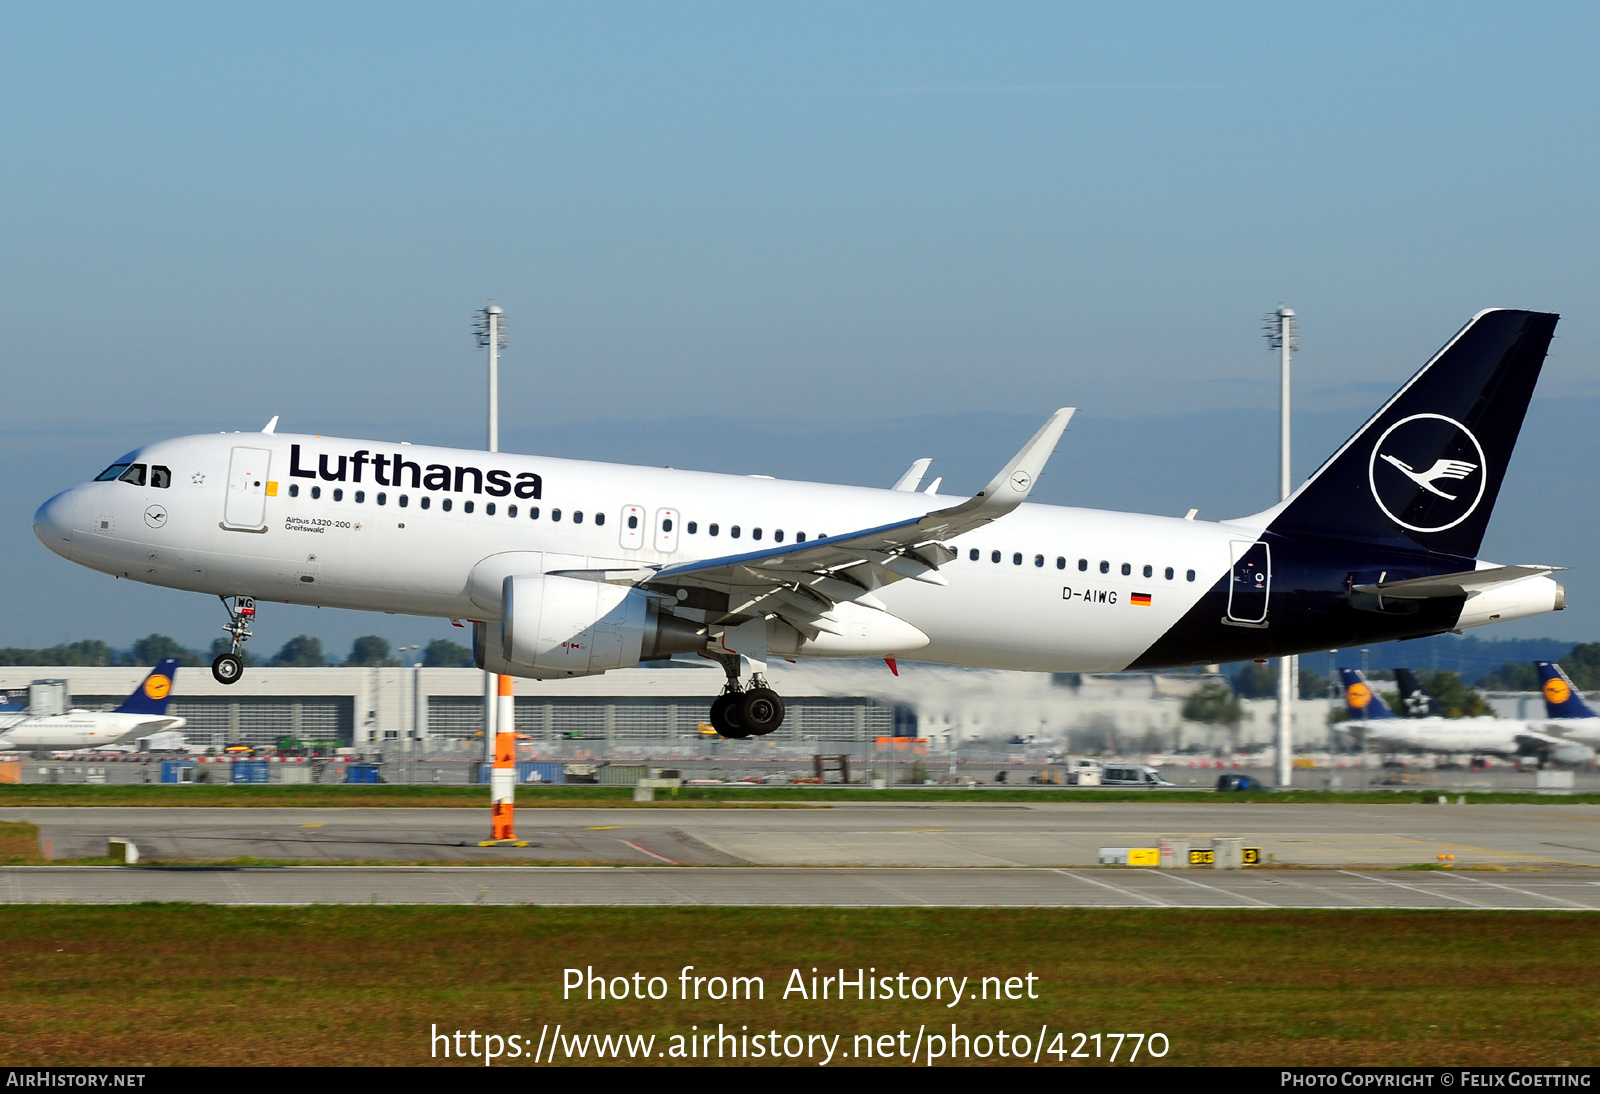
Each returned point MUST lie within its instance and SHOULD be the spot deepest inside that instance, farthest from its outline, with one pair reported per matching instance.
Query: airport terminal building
(441, 709)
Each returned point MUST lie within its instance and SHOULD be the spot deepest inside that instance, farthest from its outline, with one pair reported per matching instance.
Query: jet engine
(560, 626)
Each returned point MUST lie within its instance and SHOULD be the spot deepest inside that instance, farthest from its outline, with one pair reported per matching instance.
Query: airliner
(1427, 732)
(572, 568)
(1565, 711)
(144, 712)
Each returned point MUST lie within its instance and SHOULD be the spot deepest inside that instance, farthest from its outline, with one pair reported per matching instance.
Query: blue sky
(797, 220)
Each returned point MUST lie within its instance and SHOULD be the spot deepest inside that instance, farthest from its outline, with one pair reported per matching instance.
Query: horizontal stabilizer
(1462, 584)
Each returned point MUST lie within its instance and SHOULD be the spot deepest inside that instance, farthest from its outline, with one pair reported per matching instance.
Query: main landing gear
(228, 667)
(741, 712)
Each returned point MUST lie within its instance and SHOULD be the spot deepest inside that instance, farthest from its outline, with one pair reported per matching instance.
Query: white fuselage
(83, 729)
(1060, 598)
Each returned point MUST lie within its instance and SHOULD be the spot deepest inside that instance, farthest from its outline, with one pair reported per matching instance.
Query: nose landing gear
(741, 712)
(228, 667)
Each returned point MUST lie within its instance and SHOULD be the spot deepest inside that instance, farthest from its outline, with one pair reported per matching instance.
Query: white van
(1132, 775)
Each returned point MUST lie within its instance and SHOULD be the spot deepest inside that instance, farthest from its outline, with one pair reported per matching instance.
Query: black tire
(227, 668)
(761, 711)
(725, 717)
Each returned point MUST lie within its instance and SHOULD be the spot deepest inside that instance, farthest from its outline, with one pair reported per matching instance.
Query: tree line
(301, 651)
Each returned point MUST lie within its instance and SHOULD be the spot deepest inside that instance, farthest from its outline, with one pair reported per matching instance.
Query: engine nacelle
(561, 626)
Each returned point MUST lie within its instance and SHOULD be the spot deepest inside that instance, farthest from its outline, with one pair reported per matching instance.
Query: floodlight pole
(489, 327)
(1281, 335)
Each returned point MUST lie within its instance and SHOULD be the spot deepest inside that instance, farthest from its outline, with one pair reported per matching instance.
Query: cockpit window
(160, 477)
(134, 474)
(113, 472)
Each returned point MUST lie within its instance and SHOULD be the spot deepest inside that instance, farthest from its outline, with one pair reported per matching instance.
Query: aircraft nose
(53, 523)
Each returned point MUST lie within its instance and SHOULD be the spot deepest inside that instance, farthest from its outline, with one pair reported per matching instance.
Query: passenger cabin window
(1126, 569)
(466, 506)
(294, 490)
(1105, 567)
(423, 501)
(383, 499)
(1016, 559)
(799, 537)
(316, 492)
(1061, 563)
(1169, 573)
(405, 500)
(444, 503)
(1191, 575)
(577, 516)
(338, 494)
(713, 529)
(1148, 571)
(755, 533)
(555, 514)
(734, 531)
(134, 474)
(1083, 564)
(111, 473)
(1038, 560)
(973, 554)
(160, 477)
(599, 518)
(994, 556)
(489, 508)
(511, 510)
(694, 526)
(533, 511)
(777, 537)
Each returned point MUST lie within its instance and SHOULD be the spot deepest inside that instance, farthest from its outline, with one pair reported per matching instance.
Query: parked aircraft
(570, 568)
(1566, 712)
(1371, 716)
(144, 712)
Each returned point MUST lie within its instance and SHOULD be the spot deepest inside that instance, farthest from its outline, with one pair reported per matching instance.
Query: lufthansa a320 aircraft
(569, 568)
(1423, 730)
(140, 715)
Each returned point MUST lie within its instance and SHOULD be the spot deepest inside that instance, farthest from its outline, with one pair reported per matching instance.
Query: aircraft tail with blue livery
(151, 696)
(1561, 699)
(1360, 700)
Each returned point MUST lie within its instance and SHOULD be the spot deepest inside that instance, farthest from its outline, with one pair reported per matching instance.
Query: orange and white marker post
(503, 778)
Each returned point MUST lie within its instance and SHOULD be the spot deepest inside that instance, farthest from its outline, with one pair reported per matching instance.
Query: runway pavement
(1563, 890)
(1047, 834)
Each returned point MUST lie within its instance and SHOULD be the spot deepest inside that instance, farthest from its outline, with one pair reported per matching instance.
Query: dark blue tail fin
(1415, 702)
(1561, 699)
(1425, 470)
(1360, 700)
(150, 697)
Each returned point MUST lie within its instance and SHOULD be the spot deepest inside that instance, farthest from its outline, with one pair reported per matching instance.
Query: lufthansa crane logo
(1427, 473)
(1358, 696)
(1021, 480)
(1556, 691)
(158, 686)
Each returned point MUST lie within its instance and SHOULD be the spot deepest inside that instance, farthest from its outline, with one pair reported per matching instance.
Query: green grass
(179, 984)
(25, 794)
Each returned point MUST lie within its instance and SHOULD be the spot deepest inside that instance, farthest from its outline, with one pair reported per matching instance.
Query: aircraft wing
(802, 581)
(1462, 584)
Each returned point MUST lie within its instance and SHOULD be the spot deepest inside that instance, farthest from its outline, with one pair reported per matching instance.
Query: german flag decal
(1141, 600)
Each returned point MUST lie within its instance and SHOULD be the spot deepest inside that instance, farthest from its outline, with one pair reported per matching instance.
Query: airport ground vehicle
(573, 568)
(1233, 781)
(1132, 775)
